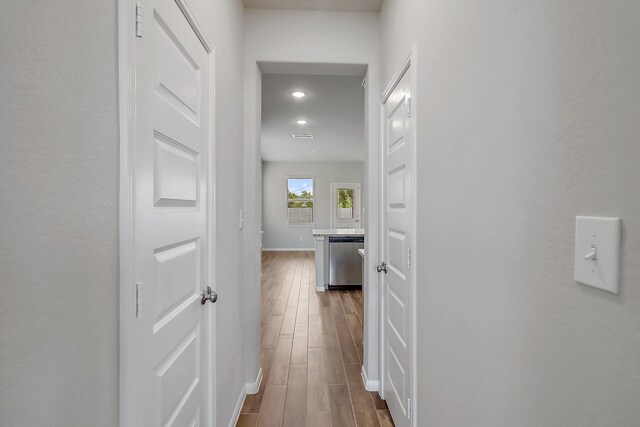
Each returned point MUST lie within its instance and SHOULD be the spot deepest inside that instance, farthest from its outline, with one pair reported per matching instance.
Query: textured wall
(59, 183)
(528, 116)
(277, 234)
(58, 230)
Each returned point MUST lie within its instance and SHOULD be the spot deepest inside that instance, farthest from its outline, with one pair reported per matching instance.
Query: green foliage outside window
(345, 198)
(300, 200)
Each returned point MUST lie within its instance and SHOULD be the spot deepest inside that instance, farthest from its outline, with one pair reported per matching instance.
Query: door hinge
(138, 299)
(408, 107)
(409, 408)
(138, 19)
(408, 258)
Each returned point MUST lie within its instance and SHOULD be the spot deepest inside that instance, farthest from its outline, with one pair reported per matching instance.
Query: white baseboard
(369, 385)
(249, 388)
(252, 388)
(288, 249)
(320, 289)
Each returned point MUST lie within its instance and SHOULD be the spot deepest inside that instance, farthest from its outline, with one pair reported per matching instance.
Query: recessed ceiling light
(302, 122)
(298, 94)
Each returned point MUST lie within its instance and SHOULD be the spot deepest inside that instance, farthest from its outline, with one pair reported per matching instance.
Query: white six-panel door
(396, 244)
(170, 168)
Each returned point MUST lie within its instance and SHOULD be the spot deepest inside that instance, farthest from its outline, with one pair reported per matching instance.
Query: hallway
(311, 352)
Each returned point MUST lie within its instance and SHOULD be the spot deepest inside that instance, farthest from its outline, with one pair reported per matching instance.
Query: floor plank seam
(288, 283)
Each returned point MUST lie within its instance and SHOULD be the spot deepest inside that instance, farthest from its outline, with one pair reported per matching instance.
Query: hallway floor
(311, 352)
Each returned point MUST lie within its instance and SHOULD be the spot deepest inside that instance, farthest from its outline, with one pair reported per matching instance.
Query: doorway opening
(312, 133)
(312, 136)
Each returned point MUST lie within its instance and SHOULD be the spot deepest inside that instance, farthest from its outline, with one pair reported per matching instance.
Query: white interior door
(170, 168)
(345, 205)
(396, 246)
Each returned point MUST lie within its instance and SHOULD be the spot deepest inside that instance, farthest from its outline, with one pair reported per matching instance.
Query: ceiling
(332, 5)
(333, 108)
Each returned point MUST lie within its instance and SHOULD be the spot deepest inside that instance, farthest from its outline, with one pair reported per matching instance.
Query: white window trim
(286, 201)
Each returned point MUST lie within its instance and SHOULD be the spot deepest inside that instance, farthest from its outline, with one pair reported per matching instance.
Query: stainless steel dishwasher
(345, 263)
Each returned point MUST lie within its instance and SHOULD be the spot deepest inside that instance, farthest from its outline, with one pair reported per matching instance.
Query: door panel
(176, 272)
(178, 380)
(170, 168)
(396, 379)
(396, 188)
(175, 174)
(397, 247)
(397, 238)
(178, 73)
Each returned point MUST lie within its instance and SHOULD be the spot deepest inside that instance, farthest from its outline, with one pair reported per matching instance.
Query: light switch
(597, 257)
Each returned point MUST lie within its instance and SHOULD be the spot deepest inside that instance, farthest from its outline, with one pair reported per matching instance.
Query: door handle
(208, 295)
(382, 267)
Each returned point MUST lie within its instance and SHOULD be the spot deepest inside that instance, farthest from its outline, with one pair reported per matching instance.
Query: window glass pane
(300, 188)
(299, 204)
(300, 212)
(300, 200)
(345, 203)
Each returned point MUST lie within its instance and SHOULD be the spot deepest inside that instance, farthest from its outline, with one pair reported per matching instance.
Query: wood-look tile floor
(311, 352)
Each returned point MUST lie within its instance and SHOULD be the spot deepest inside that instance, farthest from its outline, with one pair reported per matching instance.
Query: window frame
(312, 200)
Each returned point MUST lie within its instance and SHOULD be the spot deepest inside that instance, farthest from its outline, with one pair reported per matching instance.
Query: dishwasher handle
(346, 239)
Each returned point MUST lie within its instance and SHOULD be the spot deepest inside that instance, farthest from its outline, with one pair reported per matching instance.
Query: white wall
(279, 235)
(58, 229)
(528, 116)
(316, 37)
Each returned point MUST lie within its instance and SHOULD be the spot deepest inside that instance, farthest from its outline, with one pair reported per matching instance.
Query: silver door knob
(208, 295)
(382, 267)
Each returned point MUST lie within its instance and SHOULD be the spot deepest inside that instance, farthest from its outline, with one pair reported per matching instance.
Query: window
(299, 200)
(345, 203)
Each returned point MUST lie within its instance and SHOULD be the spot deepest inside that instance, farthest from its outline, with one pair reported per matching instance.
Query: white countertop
(338, 232)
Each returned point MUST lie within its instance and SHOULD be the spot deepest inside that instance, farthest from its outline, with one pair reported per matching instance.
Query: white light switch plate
(601, 235)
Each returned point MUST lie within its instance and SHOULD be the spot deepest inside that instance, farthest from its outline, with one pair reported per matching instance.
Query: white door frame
(332, 188)
(409, 65)
(127, 119)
